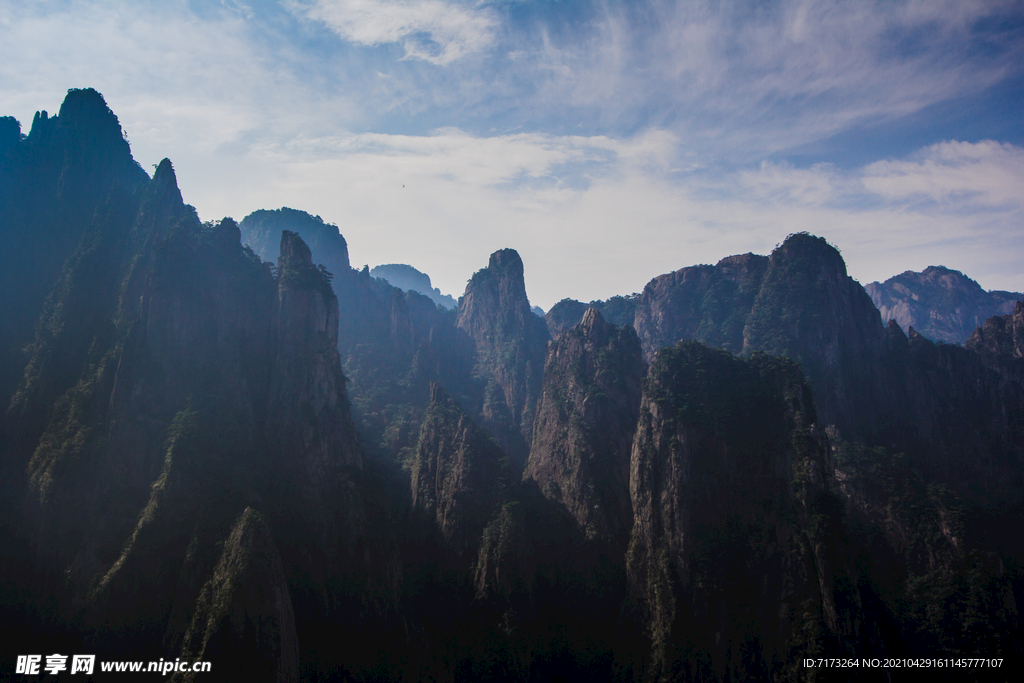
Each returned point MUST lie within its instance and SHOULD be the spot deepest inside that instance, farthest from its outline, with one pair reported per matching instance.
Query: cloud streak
(430, 30)
(740, 80)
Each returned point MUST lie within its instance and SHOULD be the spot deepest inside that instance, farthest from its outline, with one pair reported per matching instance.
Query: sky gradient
(608, 142)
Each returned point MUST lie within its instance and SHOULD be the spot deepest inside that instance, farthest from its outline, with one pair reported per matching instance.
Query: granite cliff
(942, 304)
(510, 342)
(733, 539)
(460, 477)
(177, 394)
(584, 427)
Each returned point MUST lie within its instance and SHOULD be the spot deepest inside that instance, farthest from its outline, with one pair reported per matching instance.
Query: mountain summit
(942, 304)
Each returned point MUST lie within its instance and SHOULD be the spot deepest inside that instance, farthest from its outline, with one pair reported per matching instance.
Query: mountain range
(942, 304)
(221, 442)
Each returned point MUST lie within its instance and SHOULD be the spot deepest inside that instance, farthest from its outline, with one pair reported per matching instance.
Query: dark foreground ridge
(221, 442)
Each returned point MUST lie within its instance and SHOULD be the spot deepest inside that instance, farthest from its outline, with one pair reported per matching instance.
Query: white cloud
(435, 31)
(985, 174)
(597, 216)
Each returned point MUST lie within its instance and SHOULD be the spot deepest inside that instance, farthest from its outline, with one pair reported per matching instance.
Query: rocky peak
(460, 476)
(563, 315)
(943, 304)
(508, 263)
(41, 125)
(226, 233)
(403, 276)
(86, 112)
(293, 249)
(94, 144)
(165, 179)
(811, 311)
(510, 342)
(947, 278)
(745, 268)
(408, 278)
(1001, 338)
(705, 303)
(499, 288)
(584, 429)
(10, 133)
(896, 339)
(314, 431)
(593, 325)
(810, 252)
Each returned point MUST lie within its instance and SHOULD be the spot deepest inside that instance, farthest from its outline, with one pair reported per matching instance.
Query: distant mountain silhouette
(411, 280)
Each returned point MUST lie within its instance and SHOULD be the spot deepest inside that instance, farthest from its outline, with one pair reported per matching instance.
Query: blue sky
(608, 142)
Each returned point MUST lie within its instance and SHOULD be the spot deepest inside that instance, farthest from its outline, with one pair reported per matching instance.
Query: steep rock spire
(510, 341)
(584, 428)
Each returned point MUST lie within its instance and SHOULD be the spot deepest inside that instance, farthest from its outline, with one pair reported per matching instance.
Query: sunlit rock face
(942, 304)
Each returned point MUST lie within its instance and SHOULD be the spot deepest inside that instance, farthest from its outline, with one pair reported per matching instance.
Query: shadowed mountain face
(460, 477)
(299, 472)
(727, 475)
(73, 169)
(808, 309)
(584, 426)
(173, 383)
(942, 304)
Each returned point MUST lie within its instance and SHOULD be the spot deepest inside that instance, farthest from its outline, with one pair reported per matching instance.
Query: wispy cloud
(742, 78)
(436, 31)
(985, 175)
(784, 184)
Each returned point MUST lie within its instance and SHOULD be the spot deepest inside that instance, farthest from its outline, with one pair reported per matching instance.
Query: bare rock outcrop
(460, 476)
(942, 304)
(584, 427)
(510, 342)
